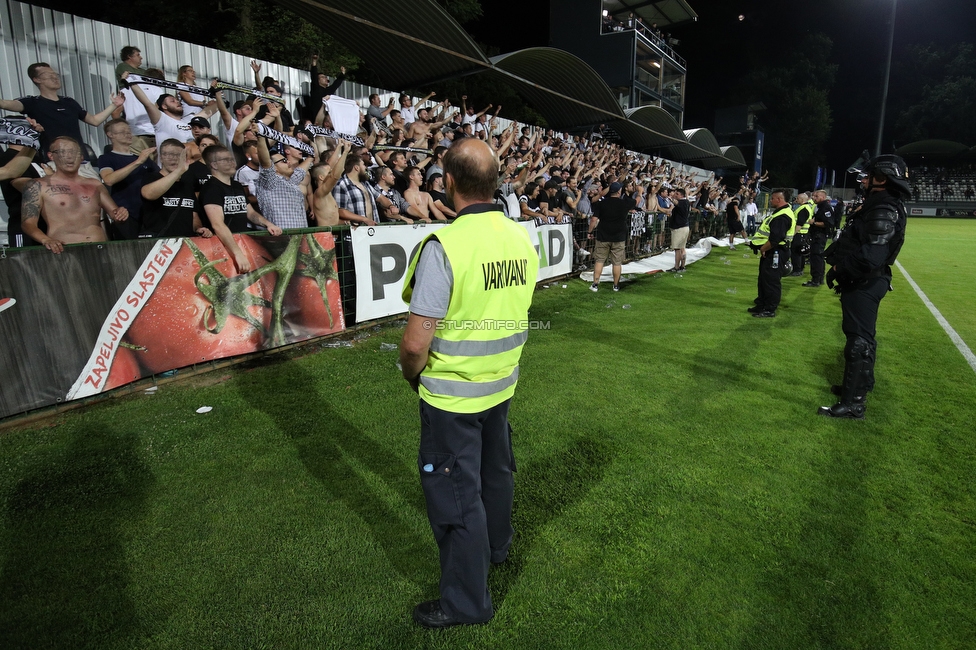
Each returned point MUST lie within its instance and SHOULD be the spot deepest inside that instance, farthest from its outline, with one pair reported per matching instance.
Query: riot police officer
(861, 260)
(820, 227)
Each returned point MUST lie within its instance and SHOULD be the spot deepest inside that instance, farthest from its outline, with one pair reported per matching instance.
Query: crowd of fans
(172, 175)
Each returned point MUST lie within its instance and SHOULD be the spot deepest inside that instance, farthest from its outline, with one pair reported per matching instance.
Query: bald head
(802, 197)
(471, 171)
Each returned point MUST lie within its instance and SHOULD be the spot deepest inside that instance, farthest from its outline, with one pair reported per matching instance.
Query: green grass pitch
(675, 488)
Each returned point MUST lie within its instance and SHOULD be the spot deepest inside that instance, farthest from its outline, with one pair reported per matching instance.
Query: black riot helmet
(890, 165)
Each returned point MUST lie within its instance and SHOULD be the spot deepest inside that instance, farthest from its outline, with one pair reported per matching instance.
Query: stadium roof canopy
(936, 148)
(662, 12)
(393, 37)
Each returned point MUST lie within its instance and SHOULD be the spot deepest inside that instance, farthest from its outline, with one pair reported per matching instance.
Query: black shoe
(764, 314)
(429, 614)
(671, 270)
(811, 284)
(796, 274)
(840, 410)
(755, 310)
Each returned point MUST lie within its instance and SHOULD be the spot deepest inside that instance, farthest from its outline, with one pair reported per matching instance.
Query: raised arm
(116, 102)
(151, 109)
(11, 105)
(256, 67)
(154, 190)
(112, 176)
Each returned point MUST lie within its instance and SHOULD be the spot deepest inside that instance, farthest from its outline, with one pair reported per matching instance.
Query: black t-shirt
(127, 192)
(200, 174)
(439, 196)
(231, 198)
(680, 214)
(731, 211)
(58, 118)
(614, 218)
(175, 208)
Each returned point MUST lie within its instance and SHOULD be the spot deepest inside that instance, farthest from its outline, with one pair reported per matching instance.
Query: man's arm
(11, 105)
(30, 214)
(334, 86)
(112, 176)
(264, 155)
(105, 200)
(415, 346)
(154, 190)
(16, 167)
(256, 67)
(117, 101)
(215, 214)
(151, 109)
(346, 215)
(225, 115)
(258, 219)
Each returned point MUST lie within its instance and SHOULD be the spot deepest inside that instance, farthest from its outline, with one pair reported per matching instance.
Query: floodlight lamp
(605, 13)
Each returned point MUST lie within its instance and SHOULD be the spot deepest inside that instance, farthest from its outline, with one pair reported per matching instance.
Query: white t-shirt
(229, 136)
(408, 114)
(247, 177)
(135, 112)
(167, 128)
(467, 119)
(190, 109)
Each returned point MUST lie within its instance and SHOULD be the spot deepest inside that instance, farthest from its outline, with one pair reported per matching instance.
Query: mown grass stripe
(956, 339)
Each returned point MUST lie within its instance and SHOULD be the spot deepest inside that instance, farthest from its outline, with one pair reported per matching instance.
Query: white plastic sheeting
(665, 260)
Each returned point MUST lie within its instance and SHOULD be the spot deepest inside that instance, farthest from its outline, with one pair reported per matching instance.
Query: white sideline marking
(960, 344)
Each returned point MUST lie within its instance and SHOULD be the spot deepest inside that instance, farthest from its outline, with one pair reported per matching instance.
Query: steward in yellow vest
(800, 245)
(771, 241)
(469, 290)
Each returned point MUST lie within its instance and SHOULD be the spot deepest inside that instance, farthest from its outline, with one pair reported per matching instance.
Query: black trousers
(466, 464)
(771, 280)
(795, 253)
(860, 308)
(817, 243)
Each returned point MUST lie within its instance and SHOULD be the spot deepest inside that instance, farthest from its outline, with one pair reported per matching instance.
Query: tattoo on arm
(31, 203)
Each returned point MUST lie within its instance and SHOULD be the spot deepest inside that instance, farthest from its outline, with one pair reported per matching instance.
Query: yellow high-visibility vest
(762, 234)
(473, 360)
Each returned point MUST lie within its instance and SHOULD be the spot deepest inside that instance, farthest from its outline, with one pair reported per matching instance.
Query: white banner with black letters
(554, 244)
(383, 253)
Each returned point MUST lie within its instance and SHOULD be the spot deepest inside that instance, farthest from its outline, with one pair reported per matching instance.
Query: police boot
(858, 369)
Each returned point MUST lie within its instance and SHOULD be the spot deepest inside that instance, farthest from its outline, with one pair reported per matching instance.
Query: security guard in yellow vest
(772, 242)
(469, 291)
(801, 243)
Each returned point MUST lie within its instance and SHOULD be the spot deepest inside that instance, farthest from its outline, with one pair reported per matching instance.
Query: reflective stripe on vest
(469, 389)
(473, 358)
(762, 234)
(479, 348)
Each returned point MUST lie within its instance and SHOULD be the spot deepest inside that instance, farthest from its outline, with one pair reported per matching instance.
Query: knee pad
(859, 349)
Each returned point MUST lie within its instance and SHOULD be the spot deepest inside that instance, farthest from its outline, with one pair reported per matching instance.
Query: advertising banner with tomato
(102, 315)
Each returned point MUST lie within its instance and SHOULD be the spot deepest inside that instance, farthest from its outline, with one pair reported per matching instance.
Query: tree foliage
(934, 94)
(794, 83)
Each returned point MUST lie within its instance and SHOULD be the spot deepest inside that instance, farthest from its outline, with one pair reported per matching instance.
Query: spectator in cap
(199, 126)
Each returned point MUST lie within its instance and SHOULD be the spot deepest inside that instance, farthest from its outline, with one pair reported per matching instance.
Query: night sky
(859, 29)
